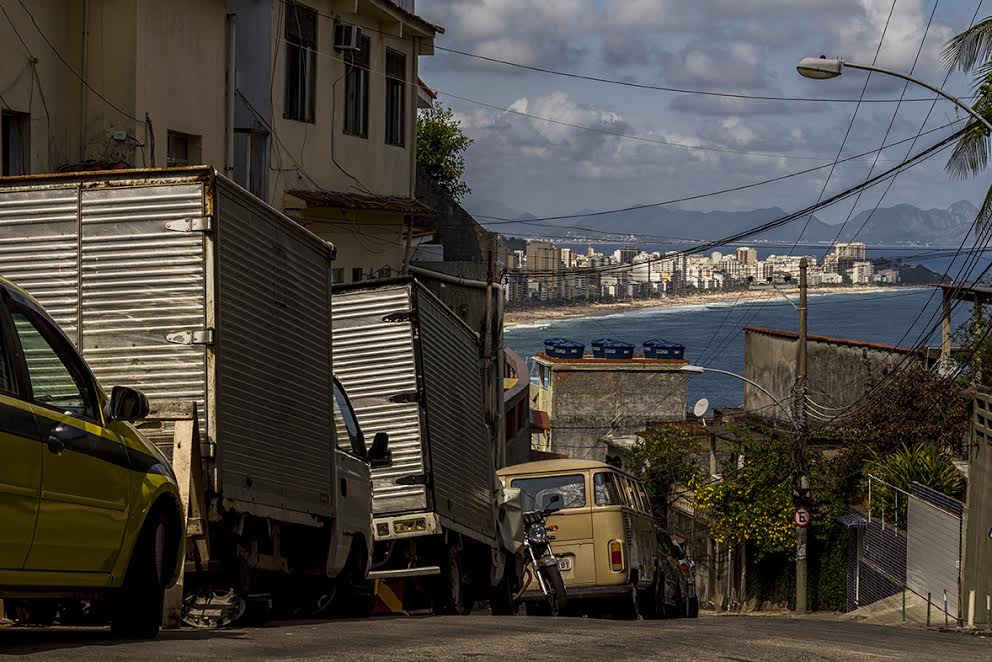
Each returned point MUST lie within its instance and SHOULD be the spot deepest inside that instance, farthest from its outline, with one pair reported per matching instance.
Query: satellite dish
(701, 406)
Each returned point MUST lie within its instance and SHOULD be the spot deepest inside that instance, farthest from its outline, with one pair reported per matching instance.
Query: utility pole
(802, 482)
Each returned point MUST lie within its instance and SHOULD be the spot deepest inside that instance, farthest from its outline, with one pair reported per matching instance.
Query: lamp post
(698, 370)
(821, 68)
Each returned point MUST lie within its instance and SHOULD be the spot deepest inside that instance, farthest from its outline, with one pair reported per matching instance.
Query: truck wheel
(501, 600)
(450, 594)
(136, 612)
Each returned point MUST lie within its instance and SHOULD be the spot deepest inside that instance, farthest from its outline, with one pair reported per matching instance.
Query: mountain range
(897, 225)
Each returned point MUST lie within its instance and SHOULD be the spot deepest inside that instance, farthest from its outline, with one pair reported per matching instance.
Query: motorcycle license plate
(564, 564)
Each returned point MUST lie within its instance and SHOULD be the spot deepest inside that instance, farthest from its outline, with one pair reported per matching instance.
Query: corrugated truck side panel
(461, 451)
(375, 359)
(105, 253)
(273, 344)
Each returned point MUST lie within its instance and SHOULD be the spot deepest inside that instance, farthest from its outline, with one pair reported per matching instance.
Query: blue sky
(740, 46)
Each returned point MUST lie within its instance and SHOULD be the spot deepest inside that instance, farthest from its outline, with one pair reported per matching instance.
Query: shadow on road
(25, 641)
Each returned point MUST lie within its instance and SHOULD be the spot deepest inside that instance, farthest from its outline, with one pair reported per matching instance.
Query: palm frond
(972, 46)
(970, 155)
(984, 213)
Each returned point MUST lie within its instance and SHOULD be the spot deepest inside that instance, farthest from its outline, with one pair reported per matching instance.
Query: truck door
(20, 458)
(354, 489)
(85, 476)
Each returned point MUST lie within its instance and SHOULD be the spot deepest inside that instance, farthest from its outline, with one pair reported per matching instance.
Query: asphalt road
(515, 638)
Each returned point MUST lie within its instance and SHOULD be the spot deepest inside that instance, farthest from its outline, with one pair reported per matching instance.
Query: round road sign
(802, 517)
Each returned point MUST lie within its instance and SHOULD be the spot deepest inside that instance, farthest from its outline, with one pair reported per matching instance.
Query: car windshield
(537, 492)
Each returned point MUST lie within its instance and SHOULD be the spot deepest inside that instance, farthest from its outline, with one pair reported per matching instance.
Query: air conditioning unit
(347, 37)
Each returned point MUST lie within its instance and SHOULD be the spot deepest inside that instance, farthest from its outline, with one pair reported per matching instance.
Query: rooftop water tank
(618, 349)
(565, 349)
(659, 348)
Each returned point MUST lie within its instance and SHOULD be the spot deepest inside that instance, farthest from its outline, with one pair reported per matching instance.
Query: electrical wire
(72, 70)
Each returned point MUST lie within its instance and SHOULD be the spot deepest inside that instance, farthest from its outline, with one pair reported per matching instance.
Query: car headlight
(537, 533)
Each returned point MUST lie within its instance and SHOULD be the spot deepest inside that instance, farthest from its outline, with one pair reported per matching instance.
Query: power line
(71, 69)
(662, 88)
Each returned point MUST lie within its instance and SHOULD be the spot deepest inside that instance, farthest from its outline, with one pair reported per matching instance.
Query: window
(606, 489)
(347, 432)
(536, 493)
(385, 272)
(6, 374)
(395, 98)
(356, 274)
(55, 383)
(251, 168)
(337, 276)
(183, 149)
(356, 89)
(16, 143)
(301, 62)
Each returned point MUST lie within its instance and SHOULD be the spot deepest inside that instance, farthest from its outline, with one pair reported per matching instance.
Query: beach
(514, 318)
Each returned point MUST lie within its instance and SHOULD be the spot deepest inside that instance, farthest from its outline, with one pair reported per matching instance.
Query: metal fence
(910, 541)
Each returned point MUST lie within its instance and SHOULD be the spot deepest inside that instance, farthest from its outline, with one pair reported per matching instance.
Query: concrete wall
(587, 400)
(976, 568)
(163, 58)
(840, 371)
(363, 164)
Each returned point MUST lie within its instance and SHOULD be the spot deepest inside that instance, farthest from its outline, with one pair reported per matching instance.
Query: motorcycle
(541, 560)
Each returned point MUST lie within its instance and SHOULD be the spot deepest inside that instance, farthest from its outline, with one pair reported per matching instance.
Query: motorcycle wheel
(557, 597)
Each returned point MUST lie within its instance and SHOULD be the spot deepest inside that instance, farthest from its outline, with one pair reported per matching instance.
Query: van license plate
(564, 564)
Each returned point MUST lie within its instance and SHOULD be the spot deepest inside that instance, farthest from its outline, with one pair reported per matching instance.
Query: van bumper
(586, 593)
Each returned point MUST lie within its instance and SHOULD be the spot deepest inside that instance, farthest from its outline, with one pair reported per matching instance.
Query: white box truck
(183, 285)
(415, 370)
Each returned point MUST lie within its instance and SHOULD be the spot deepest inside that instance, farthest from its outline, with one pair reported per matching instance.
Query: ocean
(713, 335)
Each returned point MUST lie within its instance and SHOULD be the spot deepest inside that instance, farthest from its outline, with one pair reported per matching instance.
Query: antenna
(701, 407)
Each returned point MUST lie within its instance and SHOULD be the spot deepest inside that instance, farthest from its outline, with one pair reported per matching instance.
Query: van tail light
(685, 568)
(616, 555)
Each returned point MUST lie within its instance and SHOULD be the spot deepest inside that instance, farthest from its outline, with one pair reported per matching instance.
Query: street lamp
(821, 68)
(698, 370)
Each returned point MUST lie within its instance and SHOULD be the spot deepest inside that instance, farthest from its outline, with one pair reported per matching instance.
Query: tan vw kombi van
(604, 536)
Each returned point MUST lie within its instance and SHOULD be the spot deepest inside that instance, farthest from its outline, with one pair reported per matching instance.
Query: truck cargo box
(181, 284)
(414, 370)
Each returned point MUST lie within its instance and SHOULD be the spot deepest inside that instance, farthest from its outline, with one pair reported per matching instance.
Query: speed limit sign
(802, 517)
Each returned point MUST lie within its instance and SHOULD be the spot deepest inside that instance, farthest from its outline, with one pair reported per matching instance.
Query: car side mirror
(379, 454)
(128, 404)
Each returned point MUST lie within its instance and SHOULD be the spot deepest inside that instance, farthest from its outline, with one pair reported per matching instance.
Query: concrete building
(544, 268)
(747, 255)
(860, 272)
(592, 408)
(327, 101)
(840, 371)
(111, 84)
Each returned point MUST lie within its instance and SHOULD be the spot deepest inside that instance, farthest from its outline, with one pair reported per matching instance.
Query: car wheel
(137, 610)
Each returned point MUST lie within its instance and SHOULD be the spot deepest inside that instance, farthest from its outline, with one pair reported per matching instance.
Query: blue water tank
(597, 347)
(618, 349)
(663, 349)
(566, 349)
(549, 343)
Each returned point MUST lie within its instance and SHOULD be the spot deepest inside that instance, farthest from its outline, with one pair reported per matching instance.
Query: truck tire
(136, 612)
(450, 595)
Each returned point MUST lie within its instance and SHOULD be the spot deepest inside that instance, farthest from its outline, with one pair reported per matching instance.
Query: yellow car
(89, 509)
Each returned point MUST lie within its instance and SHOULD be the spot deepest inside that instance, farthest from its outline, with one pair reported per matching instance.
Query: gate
(933, 551)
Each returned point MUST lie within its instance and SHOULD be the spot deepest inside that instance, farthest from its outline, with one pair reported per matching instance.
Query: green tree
(753, 504)
(441, 149)
(971, 51)
(662, 459)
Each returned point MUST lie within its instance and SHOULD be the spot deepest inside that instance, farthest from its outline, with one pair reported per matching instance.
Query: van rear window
(537, 492)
